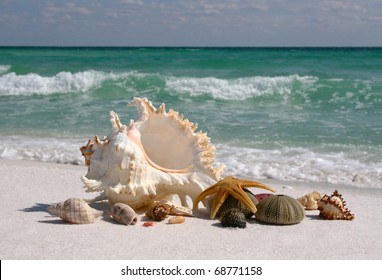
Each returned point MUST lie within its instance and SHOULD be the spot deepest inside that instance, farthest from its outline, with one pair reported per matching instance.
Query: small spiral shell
(75, 211)
(233, 217)
(124, 214)
(158, 212)
(280, 210)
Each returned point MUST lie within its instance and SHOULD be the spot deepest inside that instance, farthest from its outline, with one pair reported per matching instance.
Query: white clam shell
(156, 156)
(75, 210)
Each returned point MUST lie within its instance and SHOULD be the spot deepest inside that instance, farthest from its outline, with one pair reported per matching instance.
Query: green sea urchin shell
(233, 218)
(280, 210)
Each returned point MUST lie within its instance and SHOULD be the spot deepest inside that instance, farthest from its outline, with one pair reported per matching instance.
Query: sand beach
(29, 232)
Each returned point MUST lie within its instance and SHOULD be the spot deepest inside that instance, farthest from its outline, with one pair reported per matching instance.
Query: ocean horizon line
(188, 47)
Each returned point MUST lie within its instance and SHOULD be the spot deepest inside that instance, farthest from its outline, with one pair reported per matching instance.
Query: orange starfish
(230, 186)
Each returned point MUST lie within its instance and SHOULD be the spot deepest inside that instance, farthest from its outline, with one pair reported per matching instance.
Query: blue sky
(191, 23)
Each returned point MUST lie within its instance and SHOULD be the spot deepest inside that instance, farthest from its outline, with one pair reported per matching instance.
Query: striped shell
(124, 214)
(333, 208)
(233, 217)
(75, 211)
(280, 210)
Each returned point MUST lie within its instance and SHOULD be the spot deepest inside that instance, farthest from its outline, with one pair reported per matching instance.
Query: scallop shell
(124, 214)
(75, 211)
(280, 210)
(233, 217)
(333, 207)
(158, 155)
(310, 200)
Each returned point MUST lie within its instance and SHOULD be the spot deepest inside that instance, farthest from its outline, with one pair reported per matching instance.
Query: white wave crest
(238, 89)
(4, 68)
(301, 164)
(63, 82)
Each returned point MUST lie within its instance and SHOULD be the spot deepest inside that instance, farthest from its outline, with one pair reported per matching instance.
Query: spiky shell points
(280, 210)
(333, 208)
(233, 217)
(158, 155)
(75, 211)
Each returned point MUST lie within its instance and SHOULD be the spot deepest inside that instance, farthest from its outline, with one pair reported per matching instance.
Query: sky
(214, 23)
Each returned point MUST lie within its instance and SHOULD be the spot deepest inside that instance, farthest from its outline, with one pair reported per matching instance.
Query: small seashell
(333, 207)
(149, 224)
(158, 212)
(124, 214)
(280, 210)
(176, 220)
(75, 211)
(233, 218)
(310, 200)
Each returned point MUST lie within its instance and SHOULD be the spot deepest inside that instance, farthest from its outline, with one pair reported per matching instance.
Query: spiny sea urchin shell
(280, 210)
(333, 207)
(232, 202)
(233, 217)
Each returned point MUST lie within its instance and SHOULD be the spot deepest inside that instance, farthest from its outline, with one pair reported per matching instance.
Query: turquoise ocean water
(311, 114)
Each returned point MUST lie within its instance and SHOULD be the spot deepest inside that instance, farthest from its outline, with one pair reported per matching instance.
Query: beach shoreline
(29, 232)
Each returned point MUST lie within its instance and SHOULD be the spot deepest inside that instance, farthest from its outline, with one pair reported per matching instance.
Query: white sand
(29, 232)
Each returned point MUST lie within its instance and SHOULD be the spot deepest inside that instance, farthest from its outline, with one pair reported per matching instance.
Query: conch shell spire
(157, 155)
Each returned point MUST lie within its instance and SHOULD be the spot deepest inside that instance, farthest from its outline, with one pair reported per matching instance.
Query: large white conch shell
(152, 158)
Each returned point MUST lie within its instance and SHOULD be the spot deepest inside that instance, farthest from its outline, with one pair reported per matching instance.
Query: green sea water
(311, 114)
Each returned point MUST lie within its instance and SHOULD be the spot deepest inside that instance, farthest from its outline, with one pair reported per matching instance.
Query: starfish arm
(219, 199)
(248, 183)
(240, 195)
(204, 194)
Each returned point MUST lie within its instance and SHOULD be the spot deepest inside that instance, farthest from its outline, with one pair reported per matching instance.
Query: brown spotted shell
(75, 211)
(158, 212)
(233, 217)
(280, 210)
(124, 214)
(333, 207)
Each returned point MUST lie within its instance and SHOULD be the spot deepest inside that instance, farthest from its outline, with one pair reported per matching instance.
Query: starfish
(230, 185)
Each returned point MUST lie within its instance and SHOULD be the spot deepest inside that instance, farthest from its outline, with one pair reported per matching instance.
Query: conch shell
(310, 200)
(75, 211)
(152, 158)
(333, 207)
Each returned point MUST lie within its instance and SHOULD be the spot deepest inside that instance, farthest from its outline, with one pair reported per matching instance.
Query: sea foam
(63, 82)
(284, 163)
(241, 88)
(4, 68)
